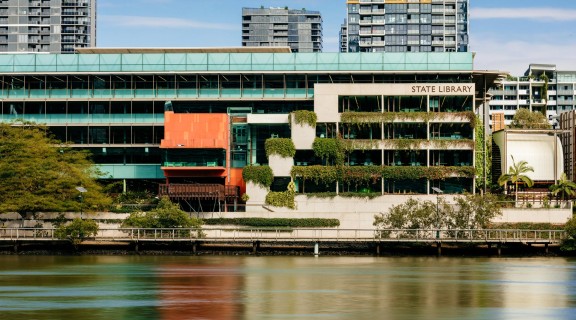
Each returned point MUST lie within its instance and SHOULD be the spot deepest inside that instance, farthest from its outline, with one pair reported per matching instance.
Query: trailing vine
(318, 174)
(302, 117)
(330, 149)
(406, 144)
(365, 118)
(371, 174)
(362, 118)
(260, 175)
(283, 147)
(360, 174)
(445, 143)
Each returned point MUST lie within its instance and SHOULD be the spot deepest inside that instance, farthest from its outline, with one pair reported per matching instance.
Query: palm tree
(564, 187)
(516, 174)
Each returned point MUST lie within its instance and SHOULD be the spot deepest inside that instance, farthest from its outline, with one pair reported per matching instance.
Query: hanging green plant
(303, 117)
(283, 199)
(260, 175)
(283, 147)
(407, 144)
(364, 118)
(360, 174)
(446, 143)
(361, 144)
(468, 115)
(330, 149)
(318, 174)
(431, 173)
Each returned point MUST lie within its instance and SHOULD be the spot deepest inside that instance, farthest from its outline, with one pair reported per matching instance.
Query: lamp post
(81, 190)
(438, 192)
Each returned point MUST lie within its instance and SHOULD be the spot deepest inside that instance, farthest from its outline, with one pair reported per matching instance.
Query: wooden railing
(198, 191)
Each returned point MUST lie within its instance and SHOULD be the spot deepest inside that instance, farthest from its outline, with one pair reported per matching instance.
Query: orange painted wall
(195, 130)
(236, 179)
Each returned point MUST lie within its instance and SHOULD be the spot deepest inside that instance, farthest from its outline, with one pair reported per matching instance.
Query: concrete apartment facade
(301, 30)
(186, 122)
(406, 26)
(543, 88)
(55, 26)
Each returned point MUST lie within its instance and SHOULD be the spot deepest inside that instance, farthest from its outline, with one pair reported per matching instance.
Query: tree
(516, 175)
(40, 173)
(526, 119)
(563, 187)
(165, 215)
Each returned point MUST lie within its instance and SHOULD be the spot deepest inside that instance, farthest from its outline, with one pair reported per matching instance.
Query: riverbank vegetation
(469, 212)
(40, 173)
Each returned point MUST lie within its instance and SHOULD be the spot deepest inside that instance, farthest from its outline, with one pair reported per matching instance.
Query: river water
(250, 287)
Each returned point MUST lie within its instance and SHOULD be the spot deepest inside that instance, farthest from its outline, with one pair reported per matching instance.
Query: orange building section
(236, 179)
(195, 130)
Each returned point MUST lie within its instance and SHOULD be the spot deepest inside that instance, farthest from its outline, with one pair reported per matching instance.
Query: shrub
(77, 230)
(281, 199)
(165, 215)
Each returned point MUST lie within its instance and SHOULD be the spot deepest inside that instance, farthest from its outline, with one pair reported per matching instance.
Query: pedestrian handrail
(299, 234)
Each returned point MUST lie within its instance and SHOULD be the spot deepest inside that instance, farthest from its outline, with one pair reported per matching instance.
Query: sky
(506, 35)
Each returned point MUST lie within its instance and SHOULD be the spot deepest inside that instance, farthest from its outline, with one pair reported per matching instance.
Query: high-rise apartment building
(543, 88)
(56, 26)
(301, 30)
(406, 26)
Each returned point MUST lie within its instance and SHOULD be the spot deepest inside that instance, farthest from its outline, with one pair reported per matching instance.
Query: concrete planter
(302, 135)
(256, 193)
(280, 166)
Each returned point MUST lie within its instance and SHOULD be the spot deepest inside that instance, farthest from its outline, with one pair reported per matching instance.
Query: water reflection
(220, 287)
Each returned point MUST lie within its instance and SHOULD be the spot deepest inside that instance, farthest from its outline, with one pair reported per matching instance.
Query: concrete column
(439, 248)
(316, 249)
(255, 246)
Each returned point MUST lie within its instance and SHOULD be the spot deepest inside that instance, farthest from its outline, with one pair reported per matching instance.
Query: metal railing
(246, 234)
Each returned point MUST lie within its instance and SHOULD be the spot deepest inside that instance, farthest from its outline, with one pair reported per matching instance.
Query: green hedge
(275, 222)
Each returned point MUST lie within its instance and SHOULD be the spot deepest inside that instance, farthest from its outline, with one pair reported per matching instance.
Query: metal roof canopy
(187, 50)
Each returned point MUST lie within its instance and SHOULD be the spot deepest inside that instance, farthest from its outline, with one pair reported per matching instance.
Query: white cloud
(140, 21)
(540, 14)
(515, 56)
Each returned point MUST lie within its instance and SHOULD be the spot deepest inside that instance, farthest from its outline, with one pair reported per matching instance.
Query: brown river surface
(285, 287)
